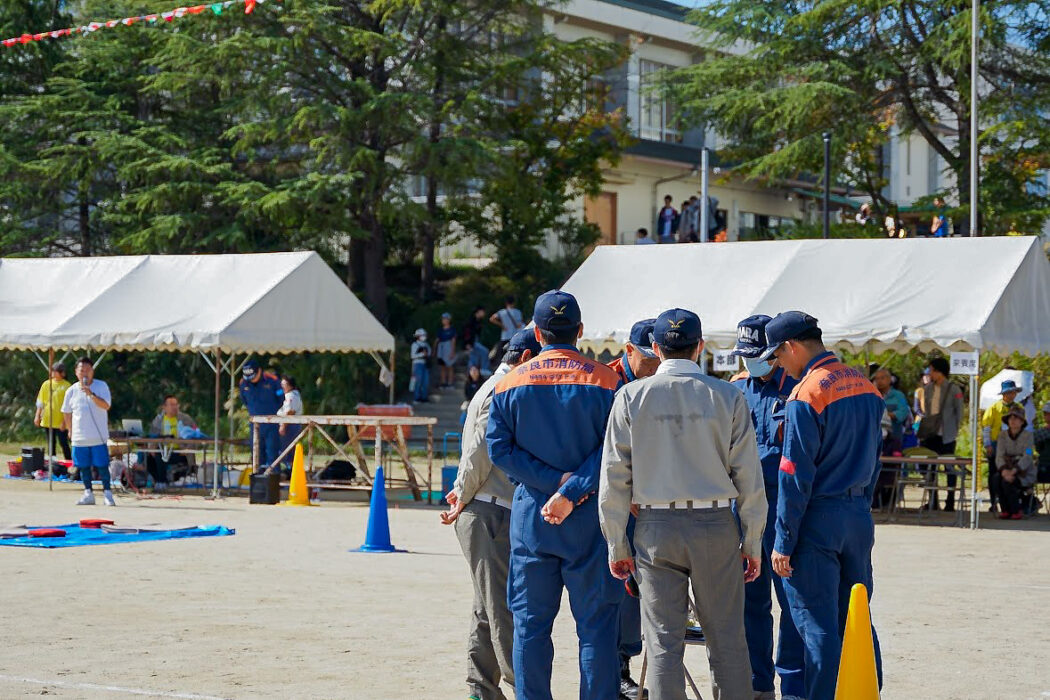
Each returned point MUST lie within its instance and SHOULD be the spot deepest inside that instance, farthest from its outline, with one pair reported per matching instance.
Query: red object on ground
(47, 532)
(14, 467)
(94, 523)
(389, 431)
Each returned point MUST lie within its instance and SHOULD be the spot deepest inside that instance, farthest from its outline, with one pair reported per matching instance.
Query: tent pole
(215, 447)
(393, 376)
(975, 461)
(233, 388)
(50, 420)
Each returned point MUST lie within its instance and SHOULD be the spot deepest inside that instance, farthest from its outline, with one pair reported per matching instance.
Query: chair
(688, 642)
(1042, 485)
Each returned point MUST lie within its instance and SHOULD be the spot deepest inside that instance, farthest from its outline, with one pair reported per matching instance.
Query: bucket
(14, 467)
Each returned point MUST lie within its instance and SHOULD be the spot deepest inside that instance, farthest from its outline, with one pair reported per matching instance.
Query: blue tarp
(77, 536)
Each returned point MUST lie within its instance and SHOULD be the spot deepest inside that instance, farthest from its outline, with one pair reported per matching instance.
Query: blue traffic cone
(377, 538)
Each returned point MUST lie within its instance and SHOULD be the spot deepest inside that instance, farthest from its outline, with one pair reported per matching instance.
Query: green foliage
(862, 70)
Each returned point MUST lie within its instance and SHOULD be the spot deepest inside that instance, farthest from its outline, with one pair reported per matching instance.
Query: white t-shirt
(510, 319)
(293, 403)
(90, 425)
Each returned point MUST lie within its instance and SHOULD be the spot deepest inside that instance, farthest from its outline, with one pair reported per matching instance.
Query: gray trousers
(674, 548)
(483, 530)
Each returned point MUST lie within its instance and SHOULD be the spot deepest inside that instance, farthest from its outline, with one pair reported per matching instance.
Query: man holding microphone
(85, 412)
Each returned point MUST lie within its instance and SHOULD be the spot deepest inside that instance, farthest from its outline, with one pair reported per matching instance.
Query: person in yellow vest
(49, 410)
(991, 426)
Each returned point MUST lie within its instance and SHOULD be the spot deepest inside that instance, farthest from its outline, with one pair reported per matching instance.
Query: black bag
(338, 469)
(929, 426)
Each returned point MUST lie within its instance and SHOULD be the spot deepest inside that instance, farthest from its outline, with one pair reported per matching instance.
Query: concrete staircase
(444, 405)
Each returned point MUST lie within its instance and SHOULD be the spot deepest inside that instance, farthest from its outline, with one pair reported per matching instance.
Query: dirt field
(283, 610)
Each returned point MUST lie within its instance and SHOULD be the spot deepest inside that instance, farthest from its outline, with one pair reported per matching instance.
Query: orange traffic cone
(298, 493)
(858, 678)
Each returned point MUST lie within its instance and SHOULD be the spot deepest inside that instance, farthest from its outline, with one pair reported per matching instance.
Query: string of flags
(216, 8)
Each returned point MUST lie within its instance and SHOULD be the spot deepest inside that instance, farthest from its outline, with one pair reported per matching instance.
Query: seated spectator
(897, 405)
(473, 383)
(478, 356)
(1016, 470)
(642, 237)
(1041, 439)
(166, 424)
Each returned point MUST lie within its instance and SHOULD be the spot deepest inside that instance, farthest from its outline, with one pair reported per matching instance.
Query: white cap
(420, 333)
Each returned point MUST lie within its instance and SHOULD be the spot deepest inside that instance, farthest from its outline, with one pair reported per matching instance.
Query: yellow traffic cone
(298, 494)
(858, 678)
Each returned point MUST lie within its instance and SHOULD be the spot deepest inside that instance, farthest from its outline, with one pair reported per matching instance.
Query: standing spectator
(85, 412)
(166, 424)
(472, 328)
(510, 322)
(642, 237)
(49, 410)
(292, 406)
(665, 222)
(1015, 471)
(420, 367)
(445, 350)
(992, 425)
(939, 226)
(686, 226)
(262, 395)
(919, 396)
(473, 382)
(942, 414)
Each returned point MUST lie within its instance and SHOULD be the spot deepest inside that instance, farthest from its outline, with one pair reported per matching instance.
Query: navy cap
(556, 310)
(677, 329)
(784, 327)
(249, 368)
(523, 340)
(751, 336)
(642, 337)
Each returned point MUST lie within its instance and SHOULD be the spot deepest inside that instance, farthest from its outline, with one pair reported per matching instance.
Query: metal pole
(704, 207)
(393, 376)
(974, 149)
(974, 459)
(233, 388)
(827, 184)
(215, 447)
(50, 421)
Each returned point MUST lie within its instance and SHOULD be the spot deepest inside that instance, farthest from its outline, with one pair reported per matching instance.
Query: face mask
(756, 367)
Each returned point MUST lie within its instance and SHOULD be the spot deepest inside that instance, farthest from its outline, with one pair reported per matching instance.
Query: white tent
(272, 303)
(218, 305)
(957, 294)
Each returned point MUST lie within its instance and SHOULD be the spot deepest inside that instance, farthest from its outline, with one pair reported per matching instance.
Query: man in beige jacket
(695, 445)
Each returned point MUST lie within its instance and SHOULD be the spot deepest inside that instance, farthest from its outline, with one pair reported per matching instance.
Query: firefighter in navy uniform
(638, 361)
(767, 388)
(546, 429)
(262, 395)
(832, 441)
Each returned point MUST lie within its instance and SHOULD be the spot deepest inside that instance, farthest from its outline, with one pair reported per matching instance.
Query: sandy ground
(284, 610)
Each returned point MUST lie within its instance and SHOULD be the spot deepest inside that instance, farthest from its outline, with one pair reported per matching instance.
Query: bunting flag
(169, 16)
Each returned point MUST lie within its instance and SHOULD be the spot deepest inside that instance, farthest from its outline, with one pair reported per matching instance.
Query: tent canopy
(271, 303)
(990, 294)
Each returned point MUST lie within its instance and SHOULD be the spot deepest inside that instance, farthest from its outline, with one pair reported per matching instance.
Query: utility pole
(974, 150)
(703, 194)
(827, 183)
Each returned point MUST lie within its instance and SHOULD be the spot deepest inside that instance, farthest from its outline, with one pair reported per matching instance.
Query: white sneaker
(88, 499)
(108, 498)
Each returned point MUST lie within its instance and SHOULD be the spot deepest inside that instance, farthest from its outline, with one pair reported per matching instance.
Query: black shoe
(629, 689)
(949, 507)
(694, 634)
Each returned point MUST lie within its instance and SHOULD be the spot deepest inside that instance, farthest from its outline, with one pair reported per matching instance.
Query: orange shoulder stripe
(831, 382)
(560, 367)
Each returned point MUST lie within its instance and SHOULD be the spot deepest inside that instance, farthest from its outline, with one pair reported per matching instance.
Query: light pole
(703, 195)
(974, 149)
(827, 183)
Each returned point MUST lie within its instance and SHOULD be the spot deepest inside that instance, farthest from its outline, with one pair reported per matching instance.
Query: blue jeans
(832, 554)
(84, 458)
(422, 375)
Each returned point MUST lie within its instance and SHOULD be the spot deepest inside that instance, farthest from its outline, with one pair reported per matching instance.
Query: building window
(656, 113)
